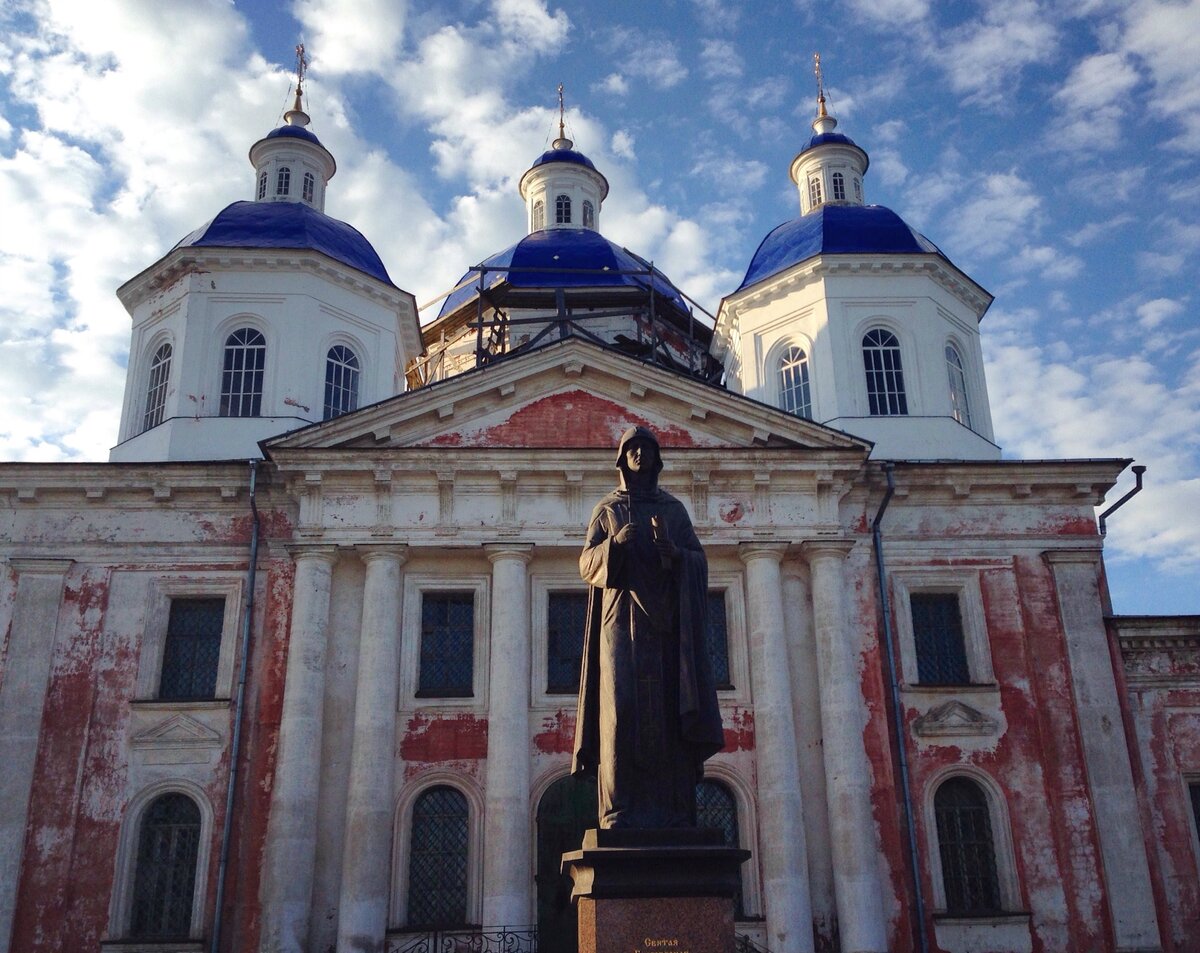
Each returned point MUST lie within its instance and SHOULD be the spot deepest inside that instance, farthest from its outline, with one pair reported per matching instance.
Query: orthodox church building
(296, 670)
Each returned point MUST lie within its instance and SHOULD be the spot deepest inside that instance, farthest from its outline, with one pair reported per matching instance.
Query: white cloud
(1166, 35)
(337, 40)
(729, 171)
(613, 83)
(997, 217)
(1093, 99)
(890, 13)
(622, 144)
(888, 165)
(720, 59)
(984, 57)
(1153, 313)
(1050, 263)
(646, 56)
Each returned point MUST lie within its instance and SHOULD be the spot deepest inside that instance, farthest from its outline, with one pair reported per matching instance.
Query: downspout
(1137, 474)
(897, 711)
(238, 712)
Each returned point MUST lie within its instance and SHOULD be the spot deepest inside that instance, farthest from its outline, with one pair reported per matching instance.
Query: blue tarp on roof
(288, 225)
(836, 230)
(564, 248)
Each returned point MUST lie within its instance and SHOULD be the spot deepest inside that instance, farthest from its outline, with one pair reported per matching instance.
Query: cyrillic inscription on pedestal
(656, 925)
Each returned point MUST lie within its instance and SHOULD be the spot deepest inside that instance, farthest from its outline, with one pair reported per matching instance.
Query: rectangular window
(447, 645)
(718, 638)
(192, 649)
(566, 617)
(939, 640)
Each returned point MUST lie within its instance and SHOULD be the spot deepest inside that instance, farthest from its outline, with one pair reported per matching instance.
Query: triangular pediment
(571, 395)
(178, 731)
(953, 719)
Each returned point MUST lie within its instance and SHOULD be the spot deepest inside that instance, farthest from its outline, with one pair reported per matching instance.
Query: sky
(1049, 148)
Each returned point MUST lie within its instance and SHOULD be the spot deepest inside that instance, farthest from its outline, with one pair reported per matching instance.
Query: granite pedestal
(655, 891)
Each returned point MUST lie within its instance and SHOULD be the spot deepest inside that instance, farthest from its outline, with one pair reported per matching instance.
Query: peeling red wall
(434, 738)
(558, 733)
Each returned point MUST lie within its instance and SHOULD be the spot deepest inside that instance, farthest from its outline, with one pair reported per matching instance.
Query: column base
(655, 891)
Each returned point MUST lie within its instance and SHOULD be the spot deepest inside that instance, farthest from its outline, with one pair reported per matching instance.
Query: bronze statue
(648, 716)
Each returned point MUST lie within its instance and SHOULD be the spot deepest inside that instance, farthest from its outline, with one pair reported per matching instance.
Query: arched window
(857, 189)
(793, 383)
(437, 859)
(562, 210)
(262, 185)
(589, 215)
(242, 374)
(716, 808)
(966, 848)
(156, 390)
(539, 215)
(839, 187)
(283, 180)
(165, 874)
(310, 185)
(814, 191)
(341, 381)
(959, 406)
(885, 376)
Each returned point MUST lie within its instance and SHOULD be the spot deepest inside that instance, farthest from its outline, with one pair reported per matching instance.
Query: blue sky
(1050, 149)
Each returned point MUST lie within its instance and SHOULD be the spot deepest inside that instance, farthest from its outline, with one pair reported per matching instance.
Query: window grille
(447, 645)
(283, 180)
(589, 215)
(839, 187)
(814, 192)
(566, 618)
(309, 187)
(716, 808)
(242, 376)
(562, 210)
(262, 185)
(341, 381)
(437, 859)
(885, 376)
(165, 876)
(938, 636)
(794, 393)
(156, 392)
(718, 638)
(958, 387)
(192, 649)
(968, 853)
(539, 215)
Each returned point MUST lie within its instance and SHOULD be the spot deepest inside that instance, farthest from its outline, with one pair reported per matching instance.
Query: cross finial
(296, 116)
(820, 86)
(301, 65)
(562, 134)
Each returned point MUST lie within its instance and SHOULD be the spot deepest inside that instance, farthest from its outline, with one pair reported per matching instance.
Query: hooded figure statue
(648, 716)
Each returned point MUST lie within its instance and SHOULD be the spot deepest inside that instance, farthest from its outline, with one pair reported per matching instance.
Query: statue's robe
(647, 716)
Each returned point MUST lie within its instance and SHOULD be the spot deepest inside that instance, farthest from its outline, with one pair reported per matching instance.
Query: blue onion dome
(294, 132)
(836, 230)
(294, 225)
(836, 138)
(569, 258)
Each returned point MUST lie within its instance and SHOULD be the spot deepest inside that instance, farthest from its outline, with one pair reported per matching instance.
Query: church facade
(296, 669)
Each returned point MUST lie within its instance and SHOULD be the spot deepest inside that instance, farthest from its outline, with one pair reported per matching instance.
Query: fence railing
(497, 940)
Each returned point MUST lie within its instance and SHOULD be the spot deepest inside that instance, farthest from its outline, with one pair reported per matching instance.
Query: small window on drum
(539, 215)
(262, 185)
(839, 187)
(562, 210)
(589, 215)
(283, 181)
(815, 196)
(310, 184)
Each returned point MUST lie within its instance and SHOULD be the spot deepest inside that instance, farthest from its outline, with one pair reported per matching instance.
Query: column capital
(498, 551)
(749, 552)
(832, 548)
(371, 552)
(315, 551)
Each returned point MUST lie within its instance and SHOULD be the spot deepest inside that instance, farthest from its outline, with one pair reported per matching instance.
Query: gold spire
(562, 123)
(821, 113)
(301, 70)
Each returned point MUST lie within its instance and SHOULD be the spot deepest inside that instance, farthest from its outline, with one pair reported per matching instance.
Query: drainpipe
(238, 711)
(1137, 475)
(897, 711)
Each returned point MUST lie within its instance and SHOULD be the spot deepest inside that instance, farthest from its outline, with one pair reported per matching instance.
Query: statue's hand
(626, 533)
(666, 549)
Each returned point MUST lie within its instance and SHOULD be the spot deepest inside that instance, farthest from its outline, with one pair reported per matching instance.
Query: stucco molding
(954, 719)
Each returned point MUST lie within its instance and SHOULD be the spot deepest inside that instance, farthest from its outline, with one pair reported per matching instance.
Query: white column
(781, 812)
(1105, 748)
(22, 697)
(366, 857)
(861, 923)
(507, 869)
(291, 846)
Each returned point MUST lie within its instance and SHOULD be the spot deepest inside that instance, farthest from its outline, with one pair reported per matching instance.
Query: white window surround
(959, 376)
(228, 585)
(908, 363)
(215, 372)
(146, 373)
(542, 584)
(735, 627)
(402, 826)
(410, 644)
(744, 797)
(120, 910)
(1002, 843)
(965, 585)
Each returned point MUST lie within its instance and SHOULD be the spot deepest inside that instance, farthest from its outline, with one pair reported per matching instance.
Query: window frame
(966, 586)
(261, 193)
(901, 393)
(960, 392)
(283, 181)
(1007, 881)
(816, 191)
(737, 648)
(589, 215)
(541, 585)
(120, 908)
(780, 363)
(159, 696)
(163, 590)
(415, 585)
(538, 216)
(308, 187)
(402, 840)
(357, 370)
(156, 390)
(241, 396)
(838, 187)
(563, 212)
(748, 832)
